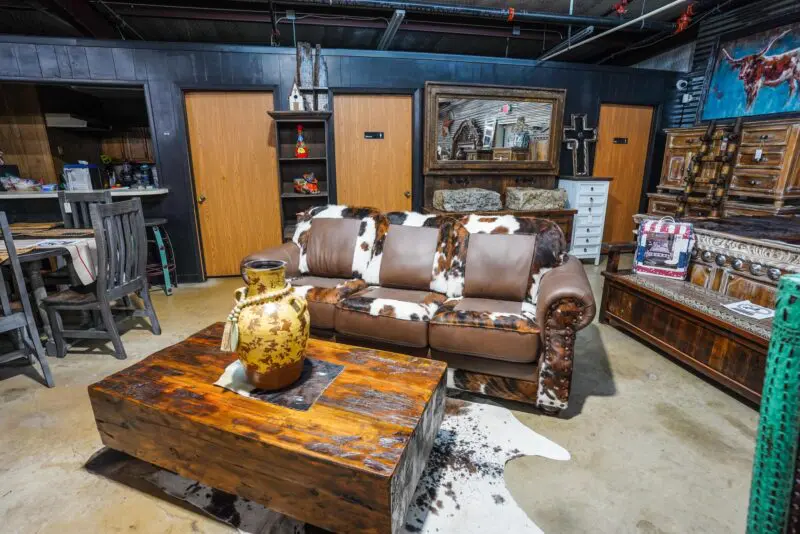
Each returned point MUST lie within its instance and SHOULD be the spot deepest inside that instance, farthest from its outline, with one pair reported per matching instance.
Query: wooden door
(373, 172)
(622, 140)
(235, 175)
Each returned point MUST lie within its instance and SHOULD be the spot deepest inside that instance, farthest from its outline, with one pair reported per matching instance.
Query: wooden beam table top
(349, 463)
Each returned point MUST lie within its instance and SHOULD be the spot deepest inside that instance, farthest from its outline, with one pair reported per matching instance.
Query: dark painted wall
(166, 69)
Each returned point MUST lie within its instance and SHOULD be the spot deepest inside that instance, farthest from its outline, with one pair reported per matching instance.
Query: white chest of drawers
(588, 195)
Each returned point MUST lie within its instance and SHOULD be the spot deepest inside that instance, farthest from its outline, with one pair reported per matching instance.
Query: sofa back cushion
(427, 237)
(408, 253)
(499, 266)
(329, 248)
(549, 249)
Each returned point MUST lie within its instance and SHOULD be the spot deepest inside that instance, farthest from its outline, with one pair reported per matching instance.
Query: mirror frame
(436, 90)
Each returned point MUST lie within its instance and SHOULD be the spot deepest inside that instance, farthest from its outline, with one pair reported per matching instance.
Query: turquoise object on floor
(774, 465)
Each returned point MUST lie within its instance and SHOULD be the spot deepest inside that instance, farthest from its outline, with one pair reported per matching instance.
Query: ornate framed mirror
(492, 129)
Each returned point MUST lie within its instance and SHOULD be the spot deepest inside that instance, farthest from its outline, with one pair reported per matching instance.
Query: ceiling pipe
(631, 22)
(391, 29)
(490, 13)
(222, 15)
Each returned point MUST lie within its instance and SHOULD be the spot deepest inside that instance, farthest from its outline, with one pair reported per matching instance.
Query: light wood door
(373, 172)
(622, 140)
(235, 175)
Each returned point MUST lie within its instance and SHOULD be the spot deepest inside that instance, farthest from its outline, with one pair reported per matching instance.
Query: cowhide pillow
(440, 261)
(550, 249)
(373, 225)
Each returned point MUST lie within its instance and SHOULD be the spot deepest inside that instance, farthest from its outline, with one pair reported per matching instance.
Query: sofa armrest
(558, 288)
(288, 252)
(565, 304)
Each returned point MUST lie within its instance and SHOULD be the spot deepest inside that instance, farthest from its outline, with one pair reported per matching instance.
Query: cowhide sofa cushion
(550, 249)
(373, 225)
(522, 322)
(323, 294)
(440, 261)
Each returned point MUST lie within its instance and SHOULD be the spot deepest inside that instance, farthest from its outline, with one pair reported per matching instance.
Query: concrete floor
(655, 449)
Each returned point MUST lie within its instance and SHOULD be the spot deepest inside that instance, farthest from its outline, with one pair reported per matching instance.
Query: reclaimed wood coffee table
(348, 463)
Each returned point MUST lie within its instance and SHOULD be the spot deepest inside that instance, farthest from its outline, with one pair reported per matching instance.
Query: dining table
(41, 242)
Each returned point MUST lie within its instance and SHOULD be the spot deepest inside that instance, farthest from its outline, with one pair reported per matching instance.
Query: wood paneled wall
(167, 69)
(23, 135)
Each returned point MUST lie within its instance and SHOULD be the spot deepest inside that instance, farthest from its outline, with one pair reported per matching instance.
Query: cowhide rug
(461, 490)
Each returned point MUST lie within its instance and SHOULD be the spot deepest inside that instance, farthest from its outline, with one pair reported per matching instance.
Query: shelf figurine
(306, 184)
(300, 150)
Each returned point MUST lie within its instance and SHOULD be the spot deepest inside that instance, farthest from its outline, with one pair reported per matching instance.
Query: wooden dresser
(734, 259)
(765, 178)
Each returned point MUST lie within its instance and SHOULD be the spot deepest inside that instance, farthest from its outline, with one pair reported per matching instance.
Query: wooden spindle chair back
(75, 206)
(121, 248)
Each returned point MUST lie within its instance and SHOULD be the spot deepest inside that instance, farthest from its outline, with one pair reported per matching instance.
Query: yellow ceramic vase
(272, 327)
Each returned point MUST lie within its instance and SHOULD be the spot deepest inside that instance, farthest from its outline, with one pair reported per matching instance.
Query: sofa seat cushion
(323, 294)
(489, 328)
(393, 315)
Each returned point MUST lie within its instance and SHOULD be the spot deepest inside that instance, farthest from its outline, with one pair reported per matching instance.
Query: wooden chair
(17, 317)
(121, 262)
(75, 206)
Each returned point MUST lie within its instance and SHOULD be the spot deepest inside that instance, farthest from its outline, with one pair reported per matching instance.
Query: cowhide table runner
(461, 490)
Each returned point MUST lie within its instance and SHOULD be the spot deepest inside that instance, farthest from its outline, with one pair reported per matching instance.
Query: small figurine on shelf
(306, 184)
(300, 150)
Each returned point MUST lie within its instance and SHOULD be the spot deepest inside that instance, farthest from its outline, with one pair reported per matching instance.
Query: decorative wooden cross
(578, 137)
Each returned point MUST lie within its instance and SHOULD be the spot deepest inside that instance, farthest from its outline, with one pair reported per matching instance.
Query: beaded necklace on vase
(230, 336)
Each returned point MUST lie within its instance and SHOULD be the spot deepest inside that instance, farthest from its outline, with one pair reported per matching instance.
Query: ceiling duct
(489, 13)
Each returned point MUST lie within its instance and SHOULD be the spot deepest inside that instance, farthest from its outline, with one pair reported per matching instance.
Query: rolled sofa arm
(288, 252)
(565, 304)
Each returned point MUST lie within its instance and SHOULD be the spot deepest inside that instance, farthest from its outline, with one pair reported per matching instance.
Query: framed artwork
(753, 75)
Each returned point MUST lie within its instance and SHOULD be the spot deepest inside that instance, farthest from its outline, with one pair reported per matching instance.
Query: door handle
(201, 199)
(407, 194)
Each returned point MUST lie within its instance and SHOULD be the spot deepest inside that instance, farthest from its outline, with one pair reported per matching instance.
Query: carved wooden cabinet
(766, 174)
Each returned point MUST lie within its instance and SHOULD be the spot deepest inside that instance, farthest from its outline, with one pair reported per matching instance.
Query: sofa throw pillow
(440, 258)
(372, 224)
(549, 251)
(499, 266)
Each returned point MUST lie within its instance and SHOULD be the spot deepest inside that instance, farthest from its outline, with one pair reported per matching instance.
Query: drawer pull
(585, 249)
(588, 230)
(591, 188)
(591, 199)
(755, 182)
(587, 240)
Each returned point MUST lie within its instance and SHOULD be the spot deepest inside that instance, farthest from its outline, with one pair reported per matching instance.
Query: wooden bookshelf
(317, 138)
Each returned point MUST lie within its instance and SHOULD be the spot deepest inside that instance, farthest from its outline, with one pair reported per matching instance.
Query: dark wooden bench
(687, 319)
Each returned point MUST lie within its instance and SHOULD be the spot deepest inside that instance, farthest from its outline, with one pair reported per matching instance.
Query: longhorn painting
(756, 75)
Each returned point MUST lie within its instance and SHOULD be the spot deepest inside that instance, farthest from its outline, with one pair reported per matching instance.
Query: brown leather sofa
(496, 297)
